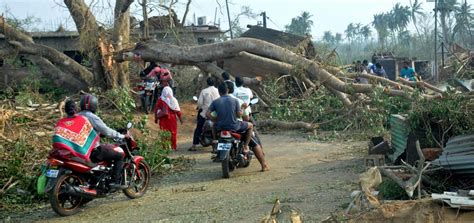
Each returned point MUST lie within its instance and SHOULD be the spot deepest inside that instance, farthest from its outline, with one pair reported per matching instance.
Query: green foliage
(156, 151)
(447, 116)
(20, 158)
(391, 190)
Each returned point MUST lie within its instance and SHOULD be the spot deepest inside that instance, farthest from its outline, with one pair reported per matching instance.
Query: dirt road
(314, 177)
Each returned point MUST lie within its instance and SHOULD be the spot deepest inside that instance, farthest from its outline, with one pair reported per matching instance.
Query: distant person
(243, 93)
(361, 70)
(379, 71)
(205, 99)
(166, 111)
(407, 72)
(369, 67)
(226, 77)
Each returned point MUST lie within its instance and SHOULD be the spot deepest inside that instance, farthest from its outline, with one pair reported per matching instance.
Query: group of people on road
(228, 106)
(365, 67)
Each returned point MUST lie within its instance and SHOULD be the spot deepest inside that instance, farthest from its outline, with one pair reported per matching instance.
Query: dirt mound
(425, 210)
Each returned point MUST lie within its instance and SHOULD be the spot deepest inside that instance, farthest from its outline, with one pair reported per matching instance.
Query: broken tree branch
(287, 125)
(420, 84)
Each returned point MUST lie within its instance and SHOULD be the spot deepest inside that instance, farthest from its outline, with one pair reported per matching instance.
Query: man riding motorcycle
(244, 103)
(228, 109)
(105, 152)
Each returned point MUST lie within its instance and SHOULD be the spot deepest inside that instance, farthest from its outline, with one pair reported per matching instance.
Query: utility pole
(436, 42)
(264, 15)
(228, 17)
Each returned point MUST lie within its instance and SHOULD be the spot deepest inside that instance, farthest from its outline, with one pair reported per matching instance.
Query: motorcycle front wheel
(139, 182)
(62, 203)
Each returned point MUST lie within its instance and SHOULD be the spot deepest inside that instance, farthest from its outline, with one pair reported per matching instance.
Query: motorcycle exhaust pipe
(82, 192)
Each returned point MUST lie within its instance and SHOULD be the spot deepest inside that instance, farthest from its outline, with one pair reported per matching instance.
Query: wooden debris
(287, 125)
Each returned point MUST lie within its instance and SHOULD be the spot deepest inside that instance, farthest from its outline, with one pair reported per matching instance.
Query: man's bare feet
(265, 168)
(246, 149)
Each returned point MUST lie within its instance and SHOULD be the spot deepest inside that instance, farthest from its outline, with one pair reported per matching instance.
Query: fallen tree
(153, 50)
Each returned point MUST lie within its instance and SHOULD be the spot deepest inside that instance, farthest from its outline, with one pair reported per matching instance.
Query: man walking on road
(205, 99)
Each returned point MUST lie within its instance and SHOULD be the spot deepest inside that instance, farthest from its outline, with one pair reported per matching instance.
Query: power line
(274, 23)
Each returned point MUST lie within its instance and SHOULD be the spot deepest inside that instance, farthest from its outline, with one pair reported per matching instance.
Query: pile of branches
(25, 139)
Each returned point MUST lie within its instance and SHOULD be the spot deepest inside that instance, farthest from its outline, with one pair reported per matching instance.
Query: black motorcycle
(230, 149)
(148, 95)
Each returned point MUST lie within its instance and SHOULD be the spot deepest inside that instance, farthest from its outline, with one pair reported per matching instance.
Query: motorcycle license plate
(52, 173)
(224, 146)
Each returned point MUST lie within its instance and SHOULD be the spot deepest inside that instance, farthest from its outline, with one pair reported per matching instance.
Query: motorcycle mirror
(129, 125)
(195, 98)
(254, 101)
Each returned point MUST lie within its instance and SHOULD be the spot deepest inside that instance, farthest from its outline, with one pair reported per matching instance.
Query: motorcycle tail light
(225, 134)
(55, 162)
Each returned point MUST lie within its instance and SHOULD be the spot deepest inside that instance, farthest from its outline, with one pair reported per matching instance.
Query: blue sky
(333, 15)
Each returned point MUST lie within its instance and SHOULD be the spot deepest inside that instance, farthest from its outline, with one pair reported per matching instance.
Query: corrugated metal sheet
(399, 130)
(458, 155)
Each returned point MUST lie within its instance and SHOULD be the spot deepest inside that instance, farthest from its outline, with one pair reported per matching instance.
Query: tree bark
(120, 39)
(217, 72)
(89, 32)
(144, 3)
(60, 78)
(287, 125)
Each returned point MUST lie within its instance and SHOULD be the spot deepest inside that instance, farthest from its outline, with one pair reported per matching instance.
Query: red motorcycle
(71, 183)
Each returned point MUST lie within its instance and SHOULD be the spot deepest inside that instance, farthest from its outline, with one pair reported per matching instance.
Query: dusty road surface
(314, 177)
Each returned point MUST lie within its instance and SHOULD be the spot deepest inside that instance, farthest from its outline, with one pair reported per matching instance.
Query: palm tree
(416, 9)
(300, 25)
(380, 24)
(401, 15)
(392, 24)
(464, 20)
(338, 38)
(350, 31)
(445, 8)
(328, 37)
(366, 32)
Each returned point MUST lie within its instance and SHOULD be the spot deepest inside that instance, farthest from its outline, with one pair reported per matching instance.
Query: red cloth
(168, 122)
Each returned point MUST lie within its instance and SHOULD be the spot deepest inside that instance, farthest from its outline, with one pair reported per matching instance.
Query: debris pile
(458, 155)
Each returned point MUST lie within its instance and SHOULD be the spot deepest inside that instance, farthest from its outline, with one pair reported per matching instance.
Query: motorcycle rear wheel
(139, 184)
(62, 203)
(226, 167)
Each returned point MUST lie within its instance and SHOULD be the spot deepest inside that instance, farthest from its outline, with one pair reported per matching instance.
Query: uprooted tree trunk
(59, 67)
(152, 50)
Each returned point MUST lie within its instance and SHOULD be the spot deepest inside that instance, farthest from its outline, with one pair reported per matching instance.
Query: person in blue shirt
(379, 71)
(407, 72)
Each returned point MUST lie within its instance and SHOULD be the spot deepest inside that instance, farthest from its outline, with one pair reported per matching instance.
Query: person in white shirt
(205, 99)
(243, 93)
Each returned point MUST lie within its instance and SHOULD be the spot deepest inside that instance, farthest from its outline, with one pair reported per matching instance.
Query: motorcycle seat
(236, 135)
(85, 162)
(227, 134)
